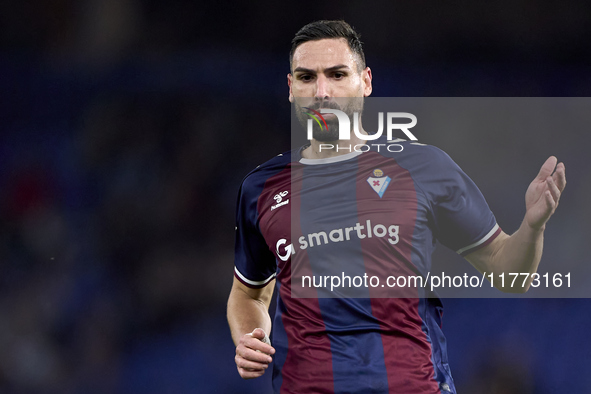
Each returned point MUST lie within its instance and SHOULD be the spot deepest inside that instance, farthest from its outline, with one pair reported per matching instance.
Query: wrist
(533, 231)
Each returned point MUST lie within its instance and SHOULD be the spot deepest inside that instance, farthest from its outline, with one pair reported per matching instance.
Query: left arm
(522, 251)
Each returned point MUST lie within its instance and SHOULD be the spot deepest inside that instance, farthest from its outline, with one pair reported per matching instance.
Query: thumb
(261, 335)
(258, 333)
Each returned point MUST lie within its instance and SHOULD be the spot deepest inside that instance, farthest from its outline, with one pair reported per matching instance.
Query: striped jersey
(356, 218)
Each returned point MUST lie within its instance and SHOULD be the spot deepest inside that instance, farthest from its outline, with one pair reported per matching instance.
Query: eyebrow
(330, 69)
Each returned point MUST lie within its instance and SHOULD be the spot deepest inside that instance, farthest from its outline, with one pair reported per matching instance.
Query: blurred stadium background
(127, 125)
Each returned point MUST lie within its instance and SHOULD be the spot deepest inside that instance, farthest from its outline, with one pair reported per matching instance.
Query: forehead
(323, 53)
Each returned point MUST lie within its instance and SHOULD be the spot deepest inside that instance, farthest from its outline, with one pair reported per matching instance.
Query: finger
(257, 344)
(547, 168)
(245, 374)
(249, 374)
(250, 365)
(253, 355)
(550, 202)
(553, 189)
(559, 176)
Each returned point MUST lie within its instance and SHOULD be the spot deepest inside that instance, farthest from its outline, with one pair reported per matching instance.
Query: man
(364, 344)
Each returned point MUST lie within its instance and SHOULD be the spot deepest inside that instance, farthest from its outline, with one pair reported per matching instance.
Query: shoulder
(432, 153)
(255, 180)
(418, 157)
(433, 170)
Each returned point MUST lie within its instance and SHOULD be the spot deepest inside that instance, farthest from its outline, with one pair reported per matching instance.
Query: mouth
(325, 106)
(318, 111)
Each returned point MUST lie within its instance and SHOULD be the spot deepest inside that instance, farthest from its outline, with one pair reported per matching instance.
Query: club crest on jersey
(279, 199)
(379, 182)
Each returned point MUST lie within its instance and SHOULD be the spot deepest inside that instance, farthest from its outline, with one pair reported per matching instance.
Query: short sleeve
(254, 263)
(462, 218)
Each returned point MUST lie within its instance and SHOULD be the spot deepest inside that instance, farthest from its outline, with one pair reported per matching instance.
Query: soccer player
(365, 344)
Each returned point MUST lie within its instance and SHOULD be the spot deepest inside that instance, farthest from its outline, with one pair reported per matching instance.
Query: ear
(289, 82)
(366, 78)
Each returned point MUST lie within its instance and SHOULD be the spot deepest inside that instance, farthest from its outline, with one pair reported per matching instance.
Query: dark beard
(330, 134)
(323, 134)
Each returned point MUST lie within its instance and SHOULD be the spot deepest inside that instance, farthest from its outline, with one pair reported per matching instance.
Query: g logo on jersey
(288, 250)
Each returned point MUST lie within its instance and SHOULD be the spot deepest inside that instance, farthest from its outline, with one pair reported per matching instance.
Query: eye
(305, 77)
(339, 75)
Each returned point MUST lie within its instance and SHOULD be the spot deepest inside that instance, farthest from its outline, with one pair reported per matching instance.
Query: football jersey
(374, 213)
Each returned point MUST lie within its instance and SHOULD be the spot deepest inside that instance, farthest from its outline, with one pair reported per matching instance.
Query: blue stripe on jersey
(358, 363)
(328, 202)
(429, 310)
(361, 355)
(278, 337)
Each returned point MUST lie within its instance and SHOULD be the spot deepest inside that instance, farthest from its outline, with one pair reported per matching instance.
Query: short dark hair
(329, 29)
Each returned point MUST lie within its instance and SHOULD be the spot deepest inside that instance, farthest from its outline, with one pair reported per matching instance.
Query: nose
(322, 88)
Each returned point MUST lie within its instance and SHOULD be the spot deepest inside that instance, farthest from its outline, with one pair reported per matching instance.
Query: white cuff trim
(253, 282)
(482, 240)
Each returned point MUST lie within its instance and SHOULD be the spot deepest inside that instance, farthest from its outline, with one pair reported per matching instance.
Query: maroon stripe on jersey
(407, 351)
(308, 363)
